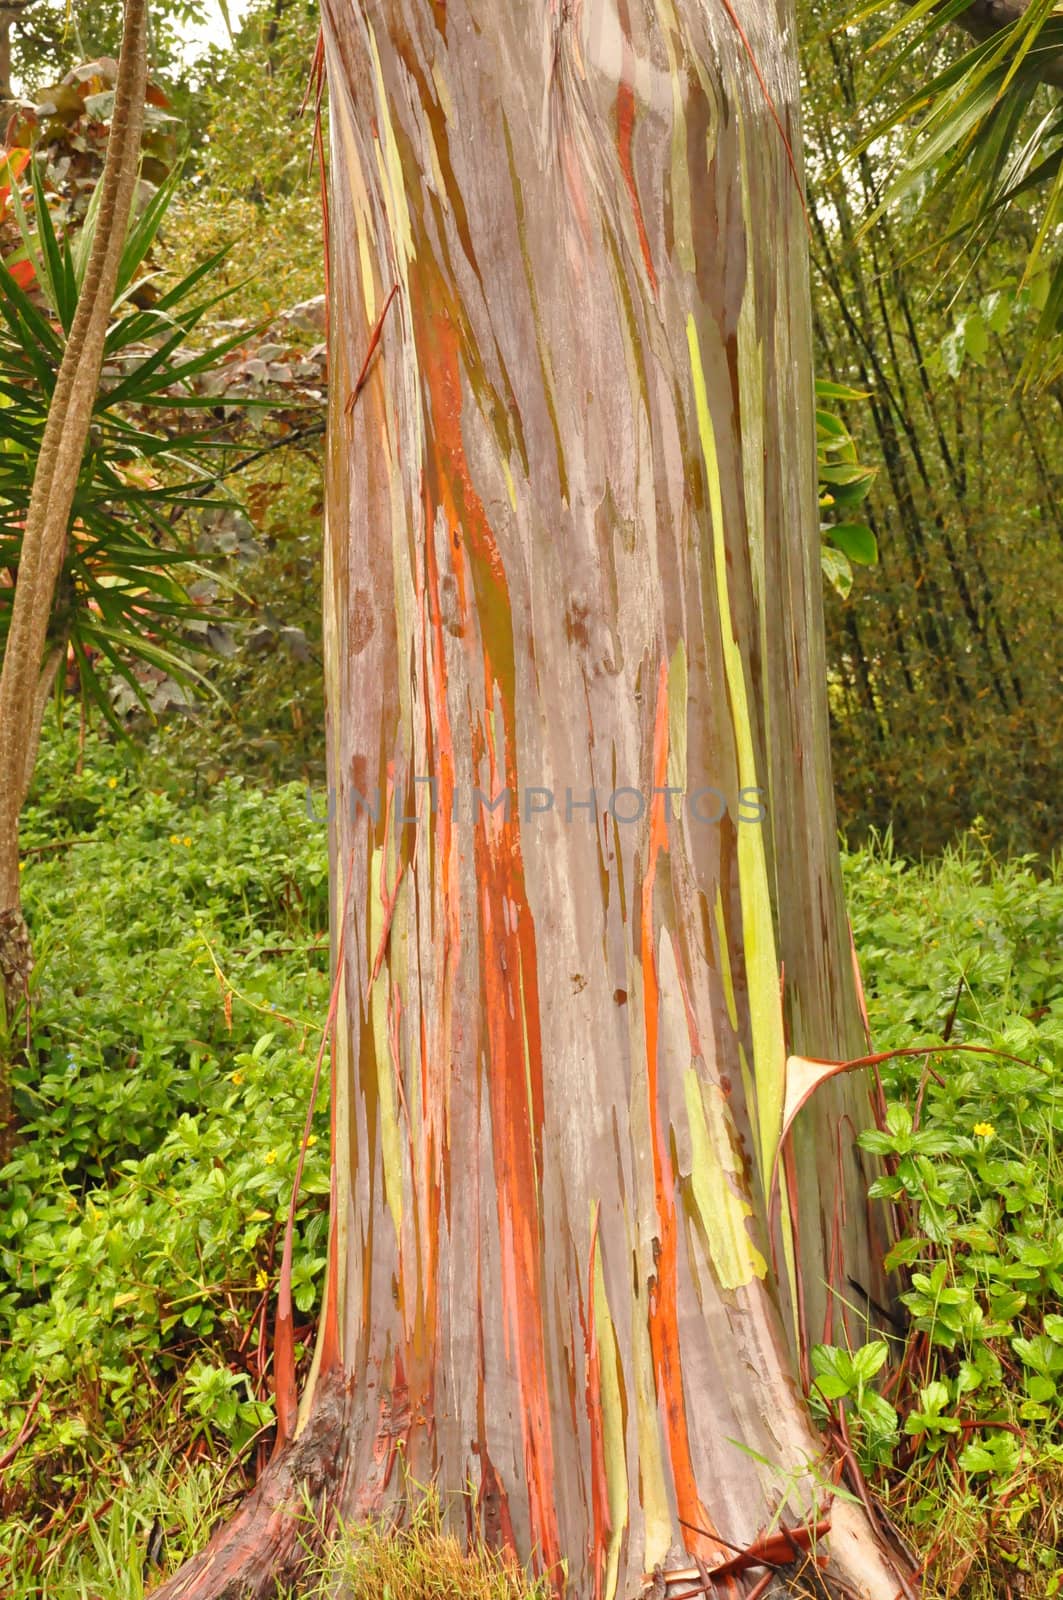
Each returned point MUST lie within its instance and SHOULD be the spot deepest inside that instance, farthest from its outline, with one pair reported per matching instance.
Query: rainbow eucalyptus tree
(585, 881)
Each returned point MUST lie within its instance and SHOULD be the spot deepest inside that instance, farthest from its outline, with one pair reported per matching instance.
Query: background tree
(572, 562)
(942, 663)
(38, 38)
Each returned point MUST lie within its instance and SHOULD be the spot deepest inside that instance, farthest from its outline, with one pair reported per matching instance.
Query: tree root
(275, 1533)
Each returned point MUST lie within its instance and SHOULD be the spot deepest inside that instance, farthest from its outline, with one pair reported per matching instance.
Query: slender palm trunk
(28, 669)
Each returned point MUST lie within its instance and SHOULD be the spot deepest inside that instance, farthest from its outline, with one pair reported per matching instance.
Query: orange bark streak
(435, 1058)
(508, 956)
(625, 120)
(664, 1289)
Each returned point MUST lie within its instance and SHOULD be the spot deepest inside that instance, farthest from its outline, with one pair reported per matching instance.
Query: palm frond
(986, 133)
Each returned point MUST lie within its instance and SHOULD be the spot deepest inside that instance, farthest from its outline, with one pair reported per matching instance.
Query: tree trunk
(572, 551)
(28, 669)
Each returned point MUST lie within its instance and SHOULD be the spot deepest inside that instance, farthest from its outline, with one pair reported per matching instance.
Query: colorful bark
(572, 544)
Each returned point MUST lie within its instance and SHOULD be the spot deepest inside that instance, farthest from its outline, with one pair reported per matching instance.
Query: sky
(213, 30)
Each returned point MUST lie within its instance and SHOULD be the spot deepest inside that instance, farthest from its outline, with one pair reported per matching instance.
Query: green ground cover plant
(957, 1422)
(180, 990)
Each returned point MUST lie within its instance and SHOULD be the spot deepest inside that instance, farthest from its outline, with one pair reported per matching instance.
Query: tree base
(324, 1474)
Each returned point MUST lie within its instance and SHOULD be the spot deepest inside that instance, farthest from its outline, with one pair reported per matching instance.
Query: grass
(181, 984)
(126, 1541)
(419, 1560)
(124, 1536)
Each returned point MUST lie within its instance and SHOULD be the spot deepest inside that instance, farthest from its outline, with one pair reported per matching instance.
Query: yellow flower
(22, 866)
(312, 1140)
(271, 1156)
(237, 1078)
(984, 1130)
(263, 1279)
(112, 783)
(175, 838)
(187, 842)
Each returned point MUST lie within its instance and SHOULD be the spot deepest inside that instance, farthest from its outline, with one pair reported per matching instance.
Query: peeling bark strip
(572, 543)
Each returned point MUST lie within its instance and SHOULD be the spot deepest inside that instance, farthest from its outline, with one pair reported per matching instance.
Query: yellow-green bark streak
(758, 935)
(715, 1172)
(612, 1428)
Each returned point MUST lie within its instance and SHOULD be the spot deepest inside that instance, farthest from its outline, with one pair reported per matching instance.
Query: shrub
(180, 990)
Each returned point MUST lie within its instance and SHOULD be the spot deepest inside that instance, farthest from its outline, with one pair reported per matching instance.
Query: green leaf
(830, 1359)
(976, 338)
(878, 1416)
(975, 1458)
(968, 1378)
(905, 1251)
(836, 569)
(847, 473)
(869, 1359)
(143, 230)
(980, 132)
(954, 349)
(856, 541)
(826, 390)
(899, 1123)
(831, 1387)
(57, 272)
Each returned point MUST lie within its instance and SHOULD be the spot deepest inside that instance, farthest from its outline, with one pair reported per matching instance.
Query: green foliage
(47, 34)
(181, 988)
(126, 1529)
(270, 59)
(844, 1375)
(843, 484)
(1000, 313)
(126, 594)
(243, 632)
(269, 718)
(943, 661)
(966, 952)
(251, 140)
